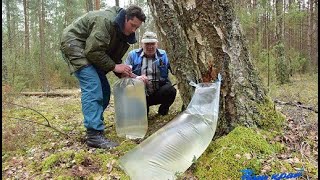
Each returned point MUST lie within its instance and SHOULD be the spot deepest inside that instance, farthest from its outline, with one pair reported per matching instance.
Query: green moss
(63, 177)
(311, 170)
(109, 162)
(125, 146)
(124, 177)
(270, 118)
(242, 148)
(105, 160)
(60, 157)
(278, 166)
(80, 157)
(50, 161)
(71, 108)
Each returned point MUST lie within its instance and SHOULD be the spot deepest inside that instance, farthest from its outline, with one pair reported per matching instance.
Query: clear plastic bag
(173, 148)
(130, 108)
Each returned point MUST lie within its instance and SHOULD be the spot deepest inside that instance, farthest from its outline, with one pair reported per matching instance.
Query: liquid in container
(130, 108)
(173, 148)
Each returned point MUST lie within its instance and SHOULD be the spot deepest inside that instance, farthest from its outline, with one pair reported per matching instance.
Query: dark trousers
(164, 96)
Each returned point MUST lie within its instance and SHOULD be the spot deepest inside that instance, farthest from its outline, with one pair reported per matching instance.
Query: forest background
(31, 31)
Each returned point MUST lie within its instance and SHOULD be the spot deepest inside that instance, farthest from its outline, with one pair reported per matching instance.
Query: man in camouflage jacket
(92, 46)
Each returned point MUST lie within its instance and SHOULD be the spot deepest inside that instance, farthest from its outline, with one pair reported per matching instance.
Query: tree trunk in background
(97, 4)
(204, 38)
(4, 64)
(311, 31)
(69, 15)
(300, 28)
(117, 2)
(281, 65)
(89, 4)
(264, 26)
(142, 29)
(26, 29)
(42, 46)
(256, 19)
(290, 37)
(266, 37)
(273, 19)
(8, 15)
(10, 40)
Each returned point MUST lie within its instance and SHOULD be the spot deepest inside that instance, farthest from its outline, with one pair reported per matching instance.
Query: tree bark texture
(89, 5)
(8, 15)
(281, 63)
(311, 33)
(4, 64)
(97, 4)
(69, 13)
(202, 39)
(42, 46)
(26, 29)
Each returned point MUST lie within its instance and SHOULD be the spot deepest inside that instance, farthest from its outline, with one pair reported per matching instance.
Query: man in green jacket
(92, 46)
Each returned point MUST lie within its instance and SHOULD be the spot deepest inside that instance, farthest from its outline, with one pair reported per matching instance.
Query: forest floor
(43, 137)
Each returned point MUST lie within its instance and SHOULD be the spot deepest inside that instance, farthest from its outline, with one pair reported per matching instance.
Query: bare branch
(27, 120)
(32, 110)
(46, 125)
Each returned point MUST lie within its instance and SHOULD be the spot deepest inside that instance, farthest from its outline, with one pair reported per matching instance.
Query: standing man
(151, 65)
(92, 46)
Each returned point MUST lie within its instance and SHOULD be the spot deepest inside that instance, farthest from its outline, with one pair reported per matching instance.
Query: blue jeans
(95, 96)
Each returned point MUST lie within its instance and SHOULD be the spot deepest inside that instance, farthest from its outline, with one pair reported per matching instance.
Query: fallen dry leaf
(247, 155)
(237, 156)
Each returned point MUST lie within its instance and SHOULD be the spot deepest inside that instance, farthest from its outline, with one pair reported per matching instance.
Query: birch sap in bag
(173, 148)
(130, 108)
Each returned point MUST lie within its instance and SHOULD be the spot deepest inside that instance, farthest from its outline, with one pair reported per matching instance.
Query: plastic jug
(173, 148)
(130, 108)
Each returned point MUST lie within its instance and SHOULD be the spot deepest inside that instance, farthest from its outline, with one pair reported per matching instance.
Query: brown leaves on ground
(300, 137)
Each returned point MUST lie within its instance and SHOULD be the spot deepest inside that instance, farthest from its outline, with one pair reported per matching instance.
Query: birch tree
(204, 38)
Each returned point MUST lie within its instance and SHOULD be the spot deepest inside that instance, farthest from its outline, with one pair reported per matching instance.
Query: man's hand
(143, 78)
(123, 68)
(131, 75)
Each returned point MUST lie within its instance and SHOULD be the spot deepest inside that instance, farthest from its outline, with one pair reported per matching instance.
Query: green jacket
(96, 38)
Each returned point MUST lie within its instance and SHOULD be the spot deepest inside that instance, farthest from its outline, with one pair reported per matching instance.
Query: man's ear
(125, 18)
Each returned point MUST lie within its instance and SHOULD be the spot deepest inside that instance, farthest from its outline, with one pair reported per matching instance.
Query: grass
(302, 88)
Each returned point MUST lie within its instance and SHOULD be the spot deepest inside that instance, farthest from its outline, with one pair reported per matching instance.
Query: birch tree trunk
(202, 39)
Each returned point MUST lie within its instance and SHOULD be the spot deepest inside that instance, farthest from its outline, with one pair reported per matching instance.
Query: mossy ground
(271, 118)
(242, 148)
(34, 151)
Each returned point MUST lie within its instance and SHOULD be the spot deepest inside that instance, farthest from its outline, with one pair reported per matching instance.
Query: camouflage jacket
(96, 38)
